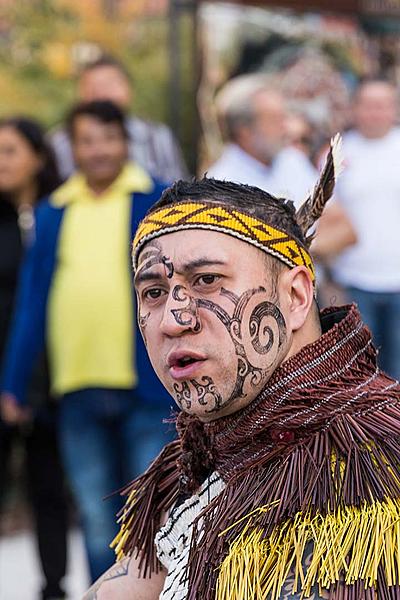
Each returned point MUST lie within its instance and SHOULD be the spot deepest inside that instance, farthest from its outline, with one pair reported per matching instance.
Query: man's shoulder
(395, 135)
(354, 146)
(291, 157)
(353, 139)
(46, 210)
(48, 218)
(227, 165)
(143, 201)
(144, 128)
(156, 190)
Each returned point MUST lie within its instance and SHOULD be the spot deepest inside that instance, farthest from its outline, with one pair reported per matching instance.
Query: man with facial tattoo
(284, 483)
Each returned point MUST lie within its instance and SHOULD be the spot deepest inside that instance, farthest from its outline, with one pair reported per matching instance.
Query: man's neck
(374, 135)
(309, 333)
(254, 156)
(99, 187)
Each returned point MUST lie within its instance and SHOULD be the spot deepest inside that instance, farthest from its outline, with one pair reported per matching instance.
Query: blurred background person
(151, 145)
(334, 233)
(77, 294)
(369, 191)
(271, 147)
(253, 118)
(300, 133)
(27, 173)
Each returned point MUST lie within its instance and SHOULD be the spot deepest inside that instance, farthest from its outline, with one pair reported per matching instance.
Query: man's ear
(296, 293)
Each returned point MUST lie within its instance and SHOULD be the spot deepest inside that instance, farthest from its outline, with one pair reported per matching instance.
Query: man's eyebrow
(140, 277)
(145, 275)
(197, 263)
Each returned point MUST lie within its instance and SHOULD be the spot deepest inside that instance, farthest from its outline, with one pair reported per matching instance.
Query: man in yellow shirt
(76, 296)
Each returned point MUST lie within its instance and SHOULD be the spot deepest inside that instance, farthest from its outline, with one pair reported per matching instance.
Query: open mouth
(184, 362)
(183, 365)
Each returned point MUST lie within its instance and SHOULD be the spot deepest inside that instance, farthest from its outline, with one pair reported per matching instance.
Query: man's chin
(103, 176)
(202, 414)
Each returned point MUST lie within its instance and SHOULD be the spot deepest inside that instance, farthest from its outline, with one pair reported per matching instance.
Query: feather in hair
(311, 210)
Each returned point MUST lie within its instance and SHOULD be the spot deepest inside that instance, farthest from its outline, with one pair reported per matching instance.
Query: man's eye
(153, 293)
(207, 279)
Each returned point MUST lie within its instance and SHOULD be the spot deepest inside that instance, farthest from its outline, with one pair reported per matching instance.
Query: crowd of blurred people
(258, 151)
(27, 173)
(76, 383)
(150, 144)
(278, 150)
(74, 304)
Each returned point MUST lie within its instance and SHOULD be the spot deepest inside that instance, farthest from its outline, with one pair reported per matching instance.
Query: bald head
(375, 108)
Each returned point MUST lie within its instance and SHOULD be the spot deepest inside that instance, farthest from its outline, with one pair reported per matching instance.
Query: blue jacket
(28, 329)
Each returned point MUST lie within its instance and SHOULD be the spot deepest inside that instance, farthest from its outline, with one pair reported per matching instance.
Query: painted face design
(152, 255)
(229, 343)
(188, 315)
(257, 330)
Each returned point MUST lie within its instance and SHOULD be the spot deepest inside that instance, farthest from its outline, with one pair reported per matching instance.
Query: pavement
(20, 577)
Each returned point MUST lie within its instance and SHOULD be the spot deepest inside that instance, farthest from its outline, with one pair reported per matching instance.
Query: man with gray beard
(253, 117)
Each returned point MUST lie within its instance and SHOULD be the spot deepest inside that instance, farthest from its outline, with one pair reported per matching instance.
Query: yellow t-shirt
(90, 316)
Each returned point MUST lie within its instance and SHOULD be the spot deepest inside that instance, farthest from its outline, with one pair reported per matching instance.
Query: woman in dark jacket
(27, 173)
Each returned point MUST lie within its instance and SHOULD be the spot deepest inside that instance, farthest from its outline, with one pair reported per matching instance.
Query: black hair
(374, 79)
(106, 60)
(48, 178)
(104, 111)
(278, 212)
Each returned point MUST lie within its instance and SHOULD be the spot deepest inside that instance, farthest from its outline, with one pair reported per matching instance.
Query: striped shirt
(151, 145)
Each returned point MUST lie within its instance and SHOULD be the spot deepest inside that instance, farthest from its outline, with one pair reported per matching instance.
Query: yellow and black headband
(224, 219)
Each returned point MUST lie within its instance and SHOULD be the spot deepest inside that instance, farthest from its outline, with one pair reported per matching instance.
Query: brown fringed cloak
(312, 462)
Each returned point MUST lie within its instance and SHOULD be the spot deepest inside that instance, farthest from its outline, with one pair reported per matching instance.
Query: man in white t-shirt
(369, 191)
(254, 119)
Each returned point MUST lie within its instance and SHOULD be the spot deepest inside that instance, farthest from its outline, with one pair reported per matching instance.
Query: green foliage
(44, 42)
(38, 57)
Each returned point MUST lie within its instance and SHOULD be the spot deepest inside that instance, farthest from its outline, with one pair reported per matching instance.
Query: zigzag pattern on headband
(222, 218)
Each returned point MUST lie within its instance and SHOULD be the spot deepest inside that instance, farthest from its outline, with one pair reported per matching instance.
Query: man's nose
(180, 315)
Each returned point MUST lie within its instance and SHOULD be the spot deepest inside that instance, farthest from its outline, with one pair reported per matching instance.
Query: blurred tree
(43, 43)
